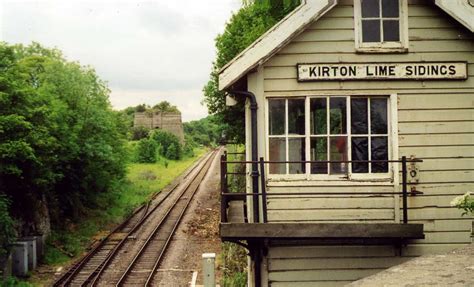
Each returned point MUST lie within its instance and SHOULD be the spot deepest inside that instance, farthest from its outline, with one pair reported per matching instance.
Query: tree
(60, 141)
(165, 107)
(244, 27)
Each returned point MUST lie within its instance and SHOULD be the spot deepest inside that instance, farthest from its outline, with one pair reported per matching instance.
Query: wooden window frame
(381, 47)
(392, 139)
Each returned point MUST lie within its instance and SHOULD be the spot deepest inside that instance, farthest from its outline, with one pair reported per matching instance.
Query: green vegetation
(7, 229)
(61, 144)
(233, 256)
(248, 24)
(142, 181)
(207, 131)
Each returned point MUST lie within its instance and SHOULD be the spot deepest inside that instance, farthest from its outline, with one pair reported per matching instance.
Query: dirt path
(198, 233)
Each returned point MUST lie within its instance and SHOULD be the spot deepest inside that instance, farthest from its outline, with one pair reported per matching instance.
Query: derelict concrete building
(170, 122)
(359, 133)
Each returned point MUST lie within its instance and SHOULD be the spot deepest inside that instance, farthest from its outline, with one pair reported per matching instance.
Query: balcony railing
(227, 196)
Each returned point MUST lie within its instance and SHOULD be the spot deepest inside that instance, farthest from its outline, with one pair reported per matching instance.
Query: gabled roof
(461, 10)
(273, 40)
(294, 23)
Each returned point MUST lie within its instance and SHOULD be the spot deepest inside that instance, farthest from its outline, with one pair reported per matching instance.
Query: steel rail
(97, 273)
(69, 276)
(153, 234)
(165, 246)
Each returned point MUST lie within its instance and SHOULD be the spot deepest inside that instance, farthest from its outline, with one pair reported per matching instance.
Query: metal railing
(227, 196)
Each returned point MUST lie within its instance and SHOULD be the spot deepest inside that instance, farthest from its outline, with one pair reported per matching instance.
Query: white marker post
(208, 266)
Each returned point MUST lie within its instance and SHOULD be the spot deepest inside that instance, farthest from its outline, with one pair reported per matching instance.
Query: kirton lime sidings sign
(382, 71)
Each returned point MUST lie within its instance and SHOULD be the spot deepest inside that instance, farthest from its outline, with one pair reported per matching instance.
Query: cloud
(145, 50)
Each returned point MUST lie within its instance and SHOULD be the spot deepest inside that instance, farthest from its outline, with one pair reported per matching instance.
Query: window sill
(381, 50)
(289, 181)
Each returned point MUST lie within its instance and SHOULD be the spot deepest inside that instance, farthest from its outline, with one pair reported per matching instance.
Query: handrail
(328, 161)
(226, 196)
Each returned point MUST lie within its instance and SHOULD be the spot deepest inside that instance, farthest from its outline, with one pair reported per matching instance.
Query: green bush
(7, 229)
(173, 152)
(139, 133)
(146, 151)
(170, 145)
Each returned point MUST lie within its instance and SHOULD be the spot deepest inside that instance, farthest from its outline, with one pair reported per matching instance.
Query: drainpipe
(254, 172)
(254, 248)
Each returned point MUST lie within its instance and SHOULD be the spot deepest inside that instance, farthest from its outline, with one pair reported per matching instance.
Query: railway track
(91, 268)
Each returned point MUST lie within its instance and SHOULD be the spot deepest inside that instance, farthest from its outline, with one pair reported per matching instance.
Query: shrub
(167, 141)
(139, 133)
(464, 202)
(173, 152)
(146, 151)
(7, 229)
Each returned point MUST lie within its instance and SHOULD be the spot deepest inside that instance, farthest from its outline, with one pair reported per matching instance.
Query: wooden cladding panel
(333, 263)
(289, 85)
(292, 60)
(339, 215)
(292, 203)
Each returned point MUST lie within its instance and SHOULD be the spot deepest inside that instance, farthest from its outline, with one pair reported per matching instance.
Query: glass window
(348, 135)
(287, 135)
(380, 22)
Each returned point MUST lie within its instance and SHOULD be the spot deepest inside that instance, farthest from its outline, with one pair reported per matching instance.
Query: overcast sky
(148, 51)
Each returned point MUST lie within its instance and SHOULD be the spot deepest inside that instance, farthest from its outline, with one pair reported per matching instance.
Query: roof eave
(461, 10)
(273, 40)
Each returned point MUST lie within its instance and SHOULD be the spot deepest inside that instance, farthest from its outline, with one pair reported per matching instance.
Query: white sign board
(382, 71)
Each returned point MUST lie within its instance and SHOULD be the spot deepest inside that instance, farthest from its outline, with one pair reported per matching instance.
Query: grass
(142, 181)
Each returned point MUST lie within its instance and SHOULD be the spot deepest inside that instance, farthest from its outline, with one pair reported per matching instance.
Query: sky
(147, 51)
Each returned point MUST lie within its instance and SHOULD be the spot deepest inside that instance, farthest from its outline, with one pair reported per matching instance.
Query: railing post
(223, 187)
(264, 190)
(404, 189)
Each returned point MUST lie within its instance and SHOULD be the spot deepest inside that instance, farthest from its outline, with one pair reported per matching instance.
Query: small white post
(208, 265)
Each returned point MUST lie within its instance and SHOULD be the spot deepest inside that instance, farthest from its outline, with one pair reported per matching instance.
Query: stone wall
(170, 122)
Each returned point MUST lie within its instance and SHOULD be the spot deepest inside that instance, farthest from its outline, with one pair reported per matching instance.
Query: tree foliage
(170, 146)
(147, 151)
(60, 141)
(207, 131)
(165, 107)
(244, 27)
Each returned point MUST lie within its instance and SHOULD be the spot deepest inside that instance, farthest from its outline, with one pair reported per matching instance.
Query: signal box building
(359, 133)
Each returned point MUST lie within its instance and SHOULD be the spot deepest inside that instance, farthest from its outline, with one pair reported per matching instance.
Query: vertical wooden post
(223, 187)
(264, 190)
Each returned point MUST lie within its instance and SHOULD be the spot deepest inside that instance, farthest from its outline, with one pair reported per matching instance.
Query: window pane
(360, 151)
(379, 150)
(370, 31)
(277, 116)
(296, 152)
(319, 152)
(277, 153)
(378, 116)
(296, 116)
(359, 123)
(318, 116)
(390, 8)
(391, 31)
(337, 115)
(338, 150)
(370, 8)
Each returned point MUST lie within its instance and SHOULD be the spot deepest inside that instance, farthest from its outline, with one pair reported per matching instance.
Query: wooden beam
(243, 231)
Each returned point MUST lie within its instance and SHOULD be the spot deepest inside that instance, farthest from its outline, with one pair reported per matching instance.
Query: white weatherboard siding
(435, 122)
